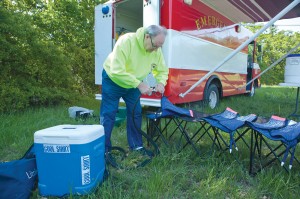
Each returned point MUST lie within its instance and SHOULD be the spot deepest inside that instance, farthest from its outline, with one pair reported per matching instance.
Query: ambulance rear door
(104, 26)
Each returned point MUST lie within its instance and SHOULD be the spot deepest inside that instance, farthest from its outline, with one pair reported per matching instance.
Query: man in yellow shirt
(134, 56)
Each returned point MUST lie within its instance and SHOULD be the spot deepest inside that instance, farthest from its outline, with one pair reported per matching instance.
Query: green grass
(172, 174)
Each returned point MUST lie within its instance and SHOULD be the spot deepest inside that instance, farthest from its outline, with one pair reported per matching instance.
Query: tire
(212, 96)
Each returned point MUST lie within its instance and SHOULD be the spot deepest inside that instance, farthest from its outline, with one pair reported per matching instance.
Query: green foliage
(47, 52)
(34, 72)
(71, 28)
(275, 44)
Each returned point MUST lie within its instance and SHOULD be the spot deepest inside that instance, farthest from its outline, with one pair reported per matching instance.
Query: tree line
(275, 44)
(47, 52)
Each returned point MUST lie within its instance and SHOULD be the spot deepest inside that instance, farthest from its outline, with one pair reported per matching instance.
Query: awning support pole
(278, 16)
(275, 63)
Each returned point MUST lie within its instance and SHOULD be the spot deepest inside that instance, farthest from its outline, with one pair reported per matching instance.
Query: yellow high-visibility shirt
(129, 62)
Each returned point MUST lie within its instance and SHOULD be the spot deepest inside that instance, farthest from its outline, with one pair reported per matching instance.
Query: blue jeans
(111, 94)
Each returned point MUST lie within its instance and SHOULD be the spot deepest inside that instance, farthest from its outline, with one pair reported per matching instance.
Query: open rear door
(104, 15)
(151, 13)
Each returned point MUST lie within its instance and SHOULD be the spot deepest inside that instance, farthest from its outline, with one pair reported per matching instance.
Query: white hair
(154, 30)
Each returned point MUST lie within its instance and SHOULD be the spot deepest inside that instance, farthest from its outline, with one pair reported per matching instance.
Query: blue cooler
(70, 159)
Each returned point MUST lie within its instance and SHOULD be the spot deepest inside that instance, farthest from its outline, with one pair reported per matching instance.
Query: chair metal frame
(260, 140)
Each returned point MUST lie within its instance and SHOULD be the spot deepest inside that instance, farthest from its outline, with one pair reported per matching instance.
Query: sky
(289, 24)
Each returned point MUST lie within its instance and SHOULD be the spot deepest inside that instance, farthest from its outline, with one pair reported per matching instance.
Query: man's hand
(160, 88)
(144, 88)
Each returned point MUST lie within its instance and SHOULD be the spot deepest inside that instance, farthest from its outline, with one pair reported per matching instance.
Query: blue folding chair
(269, 133)
(175, 119)
(230, 122)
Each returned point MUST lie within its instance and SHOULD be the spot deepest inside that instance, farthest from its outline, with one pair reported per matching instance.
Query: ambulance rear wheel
(212, 96)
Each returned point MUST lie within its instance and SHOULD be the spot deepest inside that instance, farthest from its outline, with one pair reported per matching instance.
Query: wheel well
(214, 80)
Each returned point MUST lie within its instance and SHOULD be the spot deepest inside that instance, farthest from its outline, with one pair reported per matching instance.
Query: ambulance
(198, 39)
